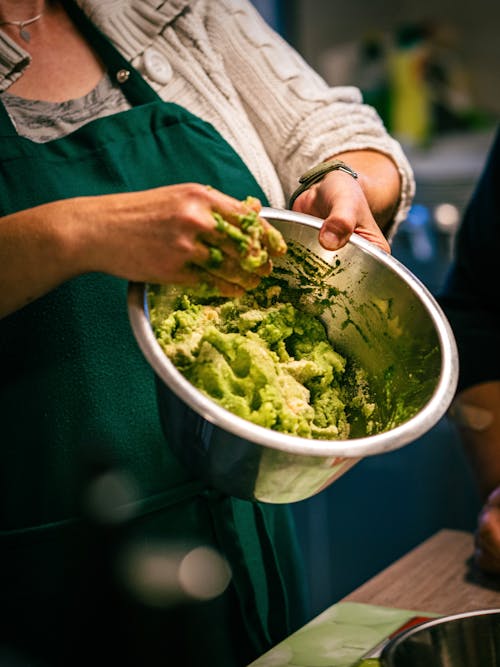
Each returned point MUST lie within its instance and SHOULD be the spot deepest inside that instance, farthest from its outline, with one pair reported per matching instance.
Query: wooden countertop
(437, 576)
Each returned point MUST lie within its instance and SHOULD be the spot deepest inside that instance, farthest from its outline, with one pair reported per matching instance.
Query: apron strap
(7, 127)
(264, 630)
(223, 521)
(135, 88)
(275, 580)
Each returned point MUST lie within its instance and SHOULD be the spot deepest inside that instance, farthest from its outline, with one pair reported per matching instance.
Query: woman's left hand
(365, 205)
(340, 202)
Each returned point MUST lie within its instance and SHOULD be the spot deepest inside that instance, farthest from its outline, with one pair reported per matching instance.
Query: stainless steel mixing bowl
(470, 639)
(378, 313)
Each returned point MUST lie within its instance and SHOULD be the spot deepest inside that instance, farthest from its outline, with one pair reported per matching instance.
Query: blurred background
(431, 70)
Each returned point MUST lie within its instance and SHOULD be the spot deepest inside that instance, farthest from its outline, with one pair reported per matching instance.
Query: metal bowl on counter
(377, 313)
(470, 639)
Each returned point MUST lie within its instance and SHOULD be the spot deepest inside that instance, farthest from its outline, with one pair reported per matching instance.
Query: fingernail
(329, 240)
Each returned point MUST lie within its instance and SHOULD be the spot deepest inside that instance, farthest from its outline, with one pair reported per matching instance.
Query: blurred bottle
(420, 237)
(372, 75)
(410, 114)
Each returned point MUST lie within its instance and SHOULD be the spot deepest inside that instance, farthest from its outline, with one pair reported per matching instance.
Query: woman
(115, 118)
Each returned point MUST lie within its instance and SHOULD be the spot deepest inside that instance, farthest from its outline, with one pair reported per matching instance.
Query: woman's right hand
(476, 413)
(487, 552)
(163, 235)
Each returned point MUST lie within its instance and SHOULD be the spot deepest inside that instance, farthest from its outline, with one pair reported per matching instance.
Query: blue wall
(382, 508)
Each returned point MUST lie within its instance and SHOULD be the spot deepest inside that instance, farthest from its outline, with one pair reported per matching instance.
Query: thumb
(494, 497)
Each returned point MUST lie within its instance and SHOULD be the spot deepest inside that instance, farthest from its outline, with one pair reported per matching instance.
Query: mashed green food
(262, 359)
(248, 238)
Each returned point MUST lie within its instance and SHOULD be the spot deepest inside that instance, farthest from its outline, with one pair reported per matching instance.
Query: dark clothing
(470, 296)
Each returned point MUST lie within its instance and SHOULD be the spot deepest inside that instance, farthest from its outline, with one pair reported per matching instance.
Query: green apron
(78, 400)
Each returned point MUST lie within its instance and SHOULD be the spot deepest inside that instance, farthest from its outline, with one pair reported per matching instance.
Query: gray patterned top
(43, 121)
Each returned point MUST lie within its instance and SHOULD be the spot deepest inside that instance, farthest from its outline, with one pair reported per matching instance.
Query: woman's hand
(164, 235)
(169, 235)
(476, 413)
(365, 205)
(339, 200)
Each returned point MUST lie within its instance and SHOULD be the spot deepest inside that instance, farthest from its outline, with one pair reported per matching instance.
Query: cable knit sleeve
(232, 70)
(300, 119)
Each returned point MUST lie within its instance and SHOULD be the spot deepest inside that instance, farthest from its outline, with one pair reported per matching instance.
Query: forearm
(35, 254)
(162, 235)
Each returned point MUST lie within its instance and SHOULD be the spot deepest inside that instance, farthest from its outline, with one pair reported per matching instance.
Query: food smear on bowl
(263, 359)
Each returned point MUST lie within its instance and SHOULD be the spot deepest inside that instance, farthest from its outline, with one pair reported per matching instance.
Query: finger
(488, 531)
(249, 255)
(214, 262)
(336, 231)
(223, 287)
(245, 246)
(232, 209)
(487, 560)
(273, 239)
(344, 209)
(218, 239)
(236, 214)
(373, 233)
(487, 540)
(339, 208)
(202, 201)
(194, 276)
(494, 498)
(215, 258)
(235, 264)
(231, 271)
(338, 228)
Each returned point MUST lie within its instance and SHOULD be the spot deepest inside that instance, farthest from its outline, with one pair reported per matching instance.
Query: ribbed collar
(13, 61)
(130, 24)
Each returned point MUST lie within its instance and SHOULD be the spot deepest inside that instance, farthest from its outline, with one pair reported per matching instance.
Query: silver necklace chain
(23, 33)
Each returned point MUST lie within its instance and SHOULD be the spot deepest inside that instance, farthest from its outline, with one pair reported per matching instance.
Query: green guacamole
(248, 239)
(262, 359)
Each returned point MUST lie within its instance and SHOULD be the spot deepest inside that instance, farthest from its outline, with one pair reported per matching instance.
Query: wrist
(74, 221)
(317, 173)
(380, 181)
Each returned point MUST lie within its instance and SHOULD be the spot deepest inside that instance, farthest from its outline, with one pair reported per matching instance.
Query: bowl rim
(378, 443)
(393, 644)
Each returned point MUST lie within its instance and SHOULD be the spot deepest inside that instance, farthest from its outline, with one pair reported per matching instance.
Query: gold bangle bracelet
(315, 174)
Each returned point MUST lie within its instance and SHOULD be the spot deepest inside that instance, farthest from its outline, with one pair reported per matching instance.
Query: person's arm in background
(476, 412)
(470, 300)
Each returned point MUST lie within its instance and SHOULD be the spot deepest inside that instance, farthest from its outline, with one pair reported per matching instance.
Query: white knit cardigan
(232, 70)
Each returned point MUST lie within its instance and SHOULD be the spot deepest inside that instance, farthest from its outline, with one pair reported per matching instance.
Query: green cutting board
(338, 637)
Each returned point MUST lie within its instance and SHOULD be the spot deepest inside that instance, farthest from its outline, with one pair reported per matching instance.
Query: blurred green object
(338, 637)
